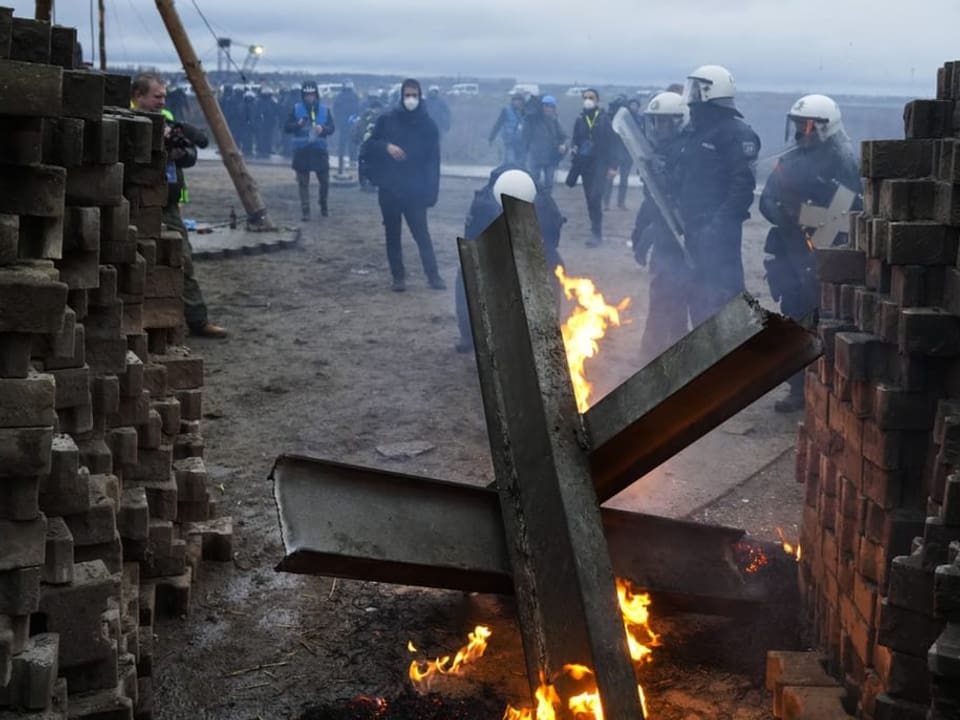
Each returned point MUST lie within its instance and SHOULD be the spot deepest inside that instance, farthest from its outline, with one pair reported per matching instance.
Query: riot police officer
(820, 174)
(663, 122)
(715, 184)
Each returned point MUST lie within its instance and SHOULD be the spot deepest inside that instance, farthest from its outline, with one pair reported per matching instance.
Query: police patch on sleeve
(750, 149)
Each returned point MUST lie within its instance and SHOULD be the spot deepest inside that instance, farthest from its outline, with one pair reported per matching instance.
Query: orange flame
(751, 557)
(423, 674)
(587, 705)
(788, 547)
(586, 325)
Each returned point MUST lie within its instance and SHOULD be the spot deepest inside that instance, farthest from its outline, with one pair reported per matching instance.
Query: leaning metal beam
(715, 371)
(566, 596)
(353, 522)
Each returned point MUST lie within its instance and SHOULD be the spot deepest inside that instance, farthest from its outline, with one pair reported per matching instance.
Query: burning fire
(788, 547)
(423, 674)
(586, 705)
(586, 325)
(750, 557)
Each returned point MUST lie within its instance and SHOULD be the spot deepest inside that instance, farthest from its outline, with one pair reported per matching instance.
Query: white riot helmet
(515, 183)
(666, 113)
(710, 84)
(814, 115)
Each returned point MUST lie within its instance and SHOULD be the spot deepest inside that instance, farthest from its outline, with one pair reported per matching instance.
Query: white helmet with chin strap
(710, 84)
(815, 114)
(515, 183)
(667, 111)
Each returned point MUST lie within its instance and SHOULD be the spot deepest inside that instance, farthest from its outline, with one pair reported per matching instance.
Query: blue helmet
(549, 100)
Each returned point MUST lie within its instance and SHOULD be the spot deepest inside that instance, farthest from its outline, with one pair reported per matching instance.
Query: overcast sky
(869, 46)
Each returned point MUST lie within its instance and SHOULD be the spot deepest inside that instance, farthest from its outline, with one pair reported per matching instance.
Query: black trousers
(594, 179)
(624, 170)
(394, 210)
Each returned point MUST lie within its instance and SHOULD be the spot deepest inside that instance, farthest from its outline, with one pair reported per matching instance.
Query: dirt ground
(323, 359)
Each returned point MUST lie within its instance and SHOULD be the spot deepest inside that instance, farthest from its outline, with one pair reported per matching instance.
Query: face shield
(693, 91)
(806, 130)
(660, 128)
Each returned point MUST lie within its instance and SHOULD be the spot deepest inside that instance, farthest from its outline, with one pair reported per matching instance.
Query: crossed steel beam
(541, 531)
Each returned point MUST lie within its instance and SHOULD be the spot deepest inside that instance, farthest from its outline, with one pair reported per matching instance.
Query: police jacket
(417, 177)
(715, 170)
(809, 175)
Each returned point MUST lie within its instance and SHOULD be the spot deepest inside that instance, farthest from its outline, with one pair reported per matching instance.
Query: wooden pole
(44, 10)
(103, 36)
(232, 159)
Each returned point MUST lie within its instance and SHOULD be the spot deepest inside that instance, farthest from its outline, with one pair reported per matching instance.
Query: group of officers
(703, 161)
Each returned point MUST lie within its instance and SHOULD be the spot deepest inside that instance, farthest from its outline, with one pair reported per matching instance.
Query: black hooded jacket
(416, 178)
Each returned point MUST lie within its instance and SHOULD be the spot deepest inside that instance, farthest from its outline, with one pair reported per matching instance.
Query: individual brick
(132, 411)
(191, 407)
(896, 158)
(133, 518)
(911, 583)
(840, 265)
(23, 543)
(188, 444)
(30, 40)
(98, 524)
(66, 489)
(110, 553)
(150, 434)
(943, 657)
(217, 540)
(101, 141)
(136, 139)
(34, 673)
(173, 594)
(22, 140)
(106, 704)
(946, 206)
(82, 94)
(9, 238)
(19, 591)
(62, 142)
(116, 90)
(920, 243)
(63, 47)
(891, 708)
(927, 119)
(906, 631)
(30, 90)
(72, 387)
(25, 451)
(131, 382)
(36, 190)
(191, 476)
(858, 356)
(897, 409)
(80, 270)
(95, 185)
(30, 302)
(123, 444)
(904, 676)
(19, 498)
(946, 592)
(902, 199)
(27, 401)
(58, 559)
(929, 331)
(81, 228)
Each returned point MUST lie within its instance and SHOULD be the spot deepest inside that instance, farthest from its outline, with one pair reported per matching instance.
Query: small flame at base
(423, 674)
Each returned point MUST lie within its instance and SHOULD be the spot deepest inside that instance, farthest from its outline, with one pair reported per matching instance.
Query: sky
(833, 46)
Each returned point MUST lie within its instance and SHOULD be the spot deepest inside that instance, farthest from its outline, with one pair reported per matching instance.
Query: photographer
(182, 140)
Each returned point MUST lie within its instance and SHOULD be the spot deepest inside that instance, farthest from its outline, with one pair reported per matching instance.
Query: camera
(184, 135)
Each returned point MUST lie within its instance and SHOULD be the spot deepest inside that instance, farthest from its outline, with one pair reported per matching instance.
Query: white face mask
(589, 104)
(411, 103)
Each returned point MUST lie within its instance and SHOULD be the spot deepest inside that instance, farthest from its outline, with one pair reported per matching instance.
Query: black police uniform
(715, 185)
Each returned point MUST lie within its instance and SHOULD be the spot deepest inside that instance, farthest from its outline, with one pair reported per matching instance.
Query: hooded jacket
(417, 177)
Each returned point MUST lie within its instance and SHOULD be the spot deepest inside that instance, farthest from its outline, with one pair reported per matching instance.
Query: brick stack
(878, 441)
(101, 471)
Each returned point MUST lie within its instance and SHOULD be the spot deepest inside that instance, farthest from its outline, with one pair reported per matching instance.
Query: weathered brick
(840, 265)
(30, 89)
(902, 199)
(30, 302)
(30, 40)
(896, 158)
(63, 142)
(878, 276)
(927, 119)
(27, 401)
(891, 708)
(906, 631)
(921, 243)
(896, 409)
(23, 141)
(101, 141)
(904, 676)
(25, 451)
(929, 331)
(191, 406)
(58, 560)
(911, 583)
(23, 543)
(946, 205)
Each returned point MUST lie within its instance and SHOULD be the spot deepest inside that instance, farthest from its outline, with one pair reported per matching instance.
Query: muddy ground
(323, 359)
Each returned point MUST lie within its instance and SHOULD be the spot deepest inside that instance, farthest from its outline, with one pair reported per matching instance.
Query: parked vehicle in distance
(525, 89)
(575, 91)
(464, 89)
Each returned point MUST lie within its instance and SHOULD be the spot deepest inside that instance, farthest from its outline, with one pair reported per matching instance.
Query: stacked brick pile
(879, 442)
(103, 497)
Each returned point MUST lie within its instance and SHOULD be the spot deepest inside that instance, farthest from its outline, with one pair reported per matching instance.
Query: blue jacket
(320, 116)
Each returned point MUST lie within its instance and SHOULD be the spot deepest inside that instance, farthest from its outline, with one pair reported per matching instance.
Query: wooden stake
(44, 10)
(232, 159)
(103, 36)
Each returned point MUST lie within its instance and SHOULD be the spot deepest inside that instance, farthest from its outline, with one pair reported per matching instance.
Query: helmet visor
(693, 91)
(804, 129)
